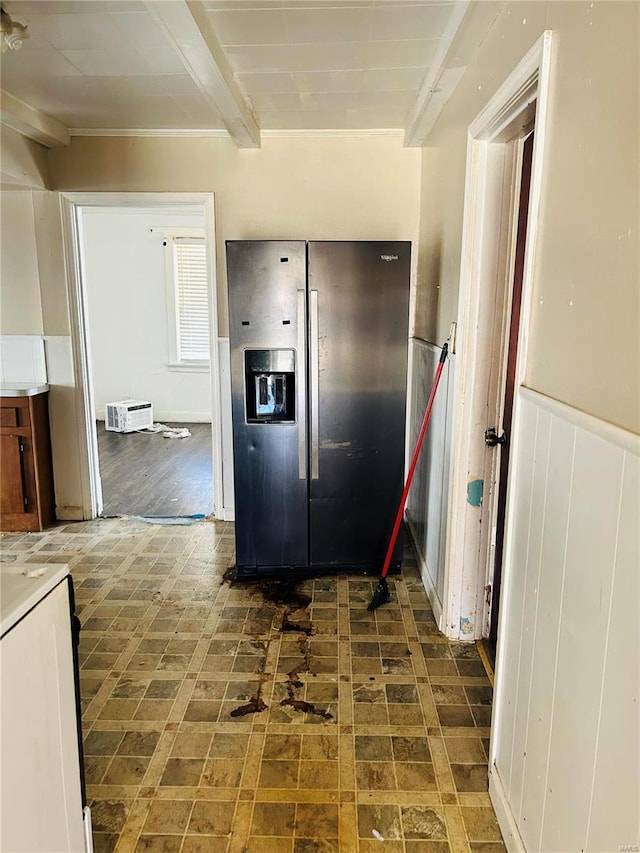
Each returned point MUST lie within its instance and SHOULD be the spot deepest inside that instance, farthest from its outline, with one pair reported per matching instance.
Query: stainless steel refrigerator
(318, 334)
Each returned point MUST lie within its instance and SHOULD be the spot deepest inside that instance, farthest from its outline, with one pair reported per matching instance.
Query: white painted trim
(84, 408)
(70, 513)
(332, 133)
(188, 366)
(216, 405)
(510, 834)
(418, 123)
(33, 123)
(623, 438)
(189, 29)
(145, 131)
(465, 565)
(71, 204)
(514, 95)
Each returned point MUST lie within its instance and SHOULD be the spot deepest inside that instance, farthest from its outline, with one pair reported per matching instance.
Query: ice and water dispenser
(270, 380)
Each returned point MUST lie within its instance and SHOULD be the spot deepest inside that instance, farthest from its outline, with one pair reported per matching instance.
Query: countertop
(23, 585)
(18, 389)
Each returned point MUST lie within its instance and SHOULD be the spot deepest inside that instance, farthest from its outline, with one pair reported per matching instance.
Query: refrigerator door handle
(314, 376)
(302, 381)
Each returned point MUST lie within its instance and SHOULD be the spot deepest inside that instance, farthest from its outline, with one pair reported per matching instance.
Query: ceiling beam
(432, 97)
(187, 26)
(32, 123)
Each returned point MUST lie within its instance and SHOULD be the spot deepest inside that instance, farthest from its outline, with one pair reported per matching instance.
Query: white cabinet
(41, 788)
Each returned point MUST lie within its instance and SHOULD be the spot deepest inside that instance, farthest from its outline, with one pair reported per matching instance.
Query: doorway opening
(499, 438)
(143, 304)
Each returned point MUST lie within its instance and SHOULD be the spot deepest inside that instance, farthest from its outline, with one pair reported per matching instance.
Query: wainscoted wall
(428, 499)
(22, 359)
(565, 748)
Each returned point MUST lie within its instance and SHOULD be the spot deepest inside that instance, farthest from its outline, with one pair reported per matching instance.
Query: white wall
(303, 187)
(587, 264)
(20, 308)
(126, 277)
(565, 728)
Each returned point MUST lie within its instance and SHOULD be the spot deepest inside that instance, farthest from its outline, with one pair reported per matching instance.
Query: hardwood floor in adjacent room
(146, 474)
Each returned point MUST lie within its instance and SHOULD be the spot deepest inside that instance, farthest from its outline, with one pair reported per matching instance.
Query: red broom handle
(414, 462)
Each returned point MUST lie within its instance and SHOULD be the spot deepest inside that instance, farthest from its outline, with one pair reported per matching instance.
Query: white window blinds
(192, 303)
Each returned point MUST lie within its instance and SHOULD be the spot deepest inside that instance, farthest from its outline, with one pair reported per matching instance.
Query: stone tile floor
(250, 719)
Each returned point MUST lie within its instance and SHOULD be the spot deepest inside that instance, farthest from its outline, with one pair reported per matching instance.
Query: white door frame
(486, 266)
(71, 203)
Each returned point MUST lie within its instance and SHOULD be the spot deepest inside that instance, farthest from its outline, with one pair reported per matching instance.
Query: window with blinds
(192, 302)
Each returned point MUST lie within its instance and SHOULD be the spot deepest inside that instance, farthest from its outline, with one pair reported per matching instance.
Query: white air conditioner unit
(128, 415)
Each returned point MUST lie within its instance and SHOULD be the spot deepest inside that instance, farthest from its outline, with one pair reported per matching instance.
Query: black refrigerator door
(267, 326)
(358, 319)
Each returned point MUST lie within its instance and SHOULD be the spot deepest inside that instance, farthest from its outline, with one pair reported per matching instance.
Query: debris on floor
(182, 520)
(167, 431)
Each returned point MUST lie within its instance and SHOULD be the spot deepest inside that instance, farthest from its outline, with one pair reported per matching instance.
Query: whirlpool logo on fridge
(389, 257)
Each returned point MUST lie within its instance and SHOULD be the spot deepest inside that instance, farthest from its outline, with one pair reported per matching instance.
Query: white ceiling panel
(392, 79)
(162, 60)
(274, 83)
(177, 84)
(391, 101)
(401, 21)
(398, 54)
(36, 63)
(140, 29)
(329, 101)
(267, 102)
(107, 63)
(255, 26)
(307, 26)
(71, 7)
(296, 57)
(148, 112)
(323, 64)
(329, 81)
(77, 32)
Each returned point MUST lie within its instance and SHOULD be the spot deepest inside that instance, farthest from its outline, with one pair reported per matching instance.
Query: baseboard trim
(174, 417)
(70, 513)
(506, 820)
(481, 645)
(425, 575)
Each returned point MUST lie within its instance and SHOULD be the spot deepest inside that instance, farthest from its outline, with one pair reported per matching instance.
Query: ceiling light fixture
(12, 33)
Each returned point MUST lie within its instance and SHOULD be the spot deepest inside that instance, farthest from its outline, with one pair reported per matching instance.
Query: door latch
(491, 438)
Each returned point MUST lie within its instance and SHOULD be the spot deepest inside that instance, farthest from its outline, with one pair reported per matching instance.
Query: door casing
(494, 164)
(70, 205)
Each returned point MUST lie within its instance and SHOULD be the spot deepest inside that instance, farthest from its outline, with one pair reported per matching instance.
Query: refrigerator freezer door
(360, 384)
(265, 312)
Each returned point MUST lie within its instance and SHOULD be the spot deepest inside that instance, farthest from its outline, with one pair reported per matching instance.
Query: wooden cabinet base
(26, 474)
